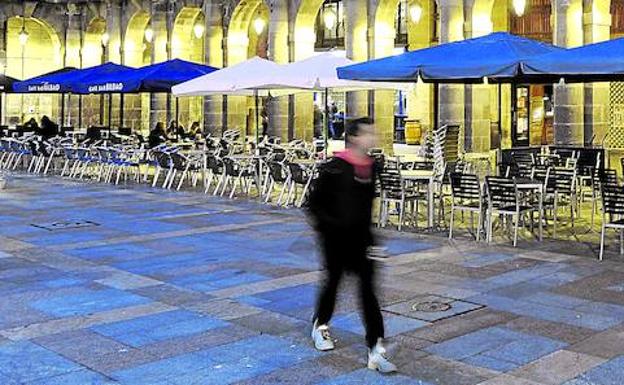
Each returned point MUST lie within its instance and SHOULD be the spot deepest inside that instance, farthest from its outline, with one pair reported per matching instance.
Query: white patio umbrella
(242, 79)
(319, 74)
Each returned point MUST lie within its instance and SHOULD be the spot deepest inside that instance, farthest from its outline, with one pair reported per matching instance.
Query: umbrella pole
(257, 122)
(1, 110)
(436, 105)
(62, 110)
(177, 111)
(500, 115)
(121, 110)
(79, 111)
(110, 110)
(326, 130)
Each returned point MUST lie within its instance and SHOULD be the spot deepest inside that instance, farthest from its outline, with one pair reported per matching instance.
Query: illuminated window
(330, 28)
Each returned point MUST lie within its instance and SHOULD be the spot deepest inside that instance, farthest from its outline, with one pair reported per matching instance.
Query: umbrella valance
(65, 80)
(158, 77)
(496, 56)
(602, 61)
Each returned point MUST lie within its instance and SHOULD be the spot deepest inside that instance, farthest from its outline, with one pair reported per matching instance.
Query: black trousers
(371, 314)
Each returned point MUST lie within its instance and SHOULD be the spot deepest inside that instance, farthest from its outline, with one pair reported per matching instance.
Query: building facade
(42, 36)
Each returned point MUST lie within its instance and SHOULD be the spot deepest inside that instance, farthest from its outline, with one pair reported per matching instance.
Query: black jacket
(340, 206)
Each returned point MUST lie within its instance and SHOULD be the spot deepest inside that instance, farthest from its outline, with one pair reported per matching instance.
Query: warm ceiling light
(415, 12)
(519, 7)
(105, 38)
(23, 36)
(259, 25)
(149, 34)
(198, 30)
(329, 18)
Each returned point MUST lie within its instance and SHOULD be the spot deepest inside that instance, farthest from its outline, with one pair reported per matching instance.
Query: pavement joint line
(60, 325)
(163, 235)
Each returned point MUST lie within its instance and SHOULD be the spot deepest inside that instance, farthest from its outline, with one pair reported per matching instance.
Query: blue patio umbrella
(65, 81)
(597, 62)
(159, 77)
(496, 56)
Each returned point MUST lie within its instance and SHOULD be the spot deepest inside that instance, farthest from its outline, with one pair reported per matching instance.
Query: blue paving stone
(81, 377)
(162, 371)
(619, 288)
(366, 376)
(404, 246)
(486, 259)
(491, 363)
(394, 324)
(609, 373)
(523, 351)
(24, 361)
(475, 343)
(90, 301)
(63, 282)
(307, 292)
(120, 251)
(548, 313)
(218, 279)
(145, 330)
(529, 273)
(556, 300)
(252, 300)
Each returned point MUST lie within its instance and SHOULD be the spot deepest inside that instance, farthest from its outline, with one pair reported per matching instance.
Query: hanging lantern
(519, 7)
(198, 30)
(259, 25)
(105, 38)
(415, 12)
(149, 34)
(23, 36)
(329, 18)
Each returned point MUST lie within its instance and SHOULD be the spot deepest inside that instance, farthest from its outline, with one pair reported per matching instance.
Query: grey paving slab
(558, 367)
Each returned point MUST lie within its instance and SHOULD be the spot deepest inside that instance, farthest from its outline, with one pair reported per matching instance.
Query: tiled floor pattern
(180, 288)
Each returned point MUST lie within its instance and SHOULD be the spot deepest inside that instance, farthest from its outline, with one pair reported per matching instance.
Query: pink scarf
(362, 165)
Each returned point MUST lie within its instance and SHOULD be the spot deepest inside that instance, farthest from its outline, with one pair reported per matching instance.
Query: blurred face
(365, 139)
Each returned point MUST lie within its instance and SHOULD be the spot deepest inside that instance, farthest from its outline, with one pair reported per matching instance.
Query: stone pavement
(106, 285)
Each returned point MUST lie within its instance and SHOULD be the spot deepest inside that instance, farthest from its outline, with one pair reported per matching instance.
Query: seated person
(157, 136)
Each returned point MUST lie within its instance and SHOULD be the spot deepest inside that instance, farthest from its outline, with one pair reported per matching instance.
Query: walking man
(340, 205)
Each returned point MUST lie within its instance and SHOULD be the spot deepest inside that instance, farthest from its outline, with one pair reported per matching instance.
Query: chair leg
(182, 178)
(479, 224)
(490, 226)
(516, 225)
(451, 221)
(621, 241)
(602, 241)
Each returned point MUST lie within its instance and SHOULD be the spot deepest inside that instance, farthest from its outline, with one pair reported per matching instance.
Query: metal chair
(300, 176)
(612, 214)
(466, 195)
(504, 199)
(393, 190)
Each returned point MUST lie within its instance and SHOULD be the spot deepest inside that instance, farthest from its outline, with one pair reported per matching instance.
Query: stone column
(278, 52)
(596, 28)
(451, 100)
(356, 44)
(568, 32)
(213, 48)
(477, 97)
(160, 52)
(303, 47)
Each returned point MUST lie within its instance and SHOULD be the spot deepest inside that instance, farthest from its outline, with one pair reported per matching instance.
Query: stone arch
(40, 54)
(92, 51)
(136, 51)
(187, 46)
(242, 40)
(242, 43)
(304, 32)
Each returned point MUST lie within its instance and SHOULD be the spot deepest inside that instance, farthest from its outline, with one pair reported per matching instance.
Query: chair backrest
(231, 167)
(214, 164)
(298, 173)
(162, 158)
(179, 160)
(606, 176)
(613, 199)
(501, 192)
(390, 180)
(543, 174)
(465, 186)
(278, 173)
(565, 180)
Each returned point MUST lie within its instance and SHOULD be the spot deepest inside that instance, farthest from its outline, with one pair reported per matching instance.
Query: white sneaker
(322, 339)
(378, 361)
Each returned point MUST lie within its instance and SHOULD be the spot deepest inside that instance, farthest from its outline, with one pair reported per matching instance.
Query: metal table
(428, 177)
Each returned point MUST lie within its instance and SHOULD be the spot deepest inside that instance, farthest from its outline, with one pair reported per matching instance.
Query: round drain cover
(431, 306)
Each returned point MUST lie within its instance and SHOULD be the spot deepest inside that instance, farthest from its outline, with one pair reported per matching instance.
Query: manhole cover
(431, 306)
(65, 225)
